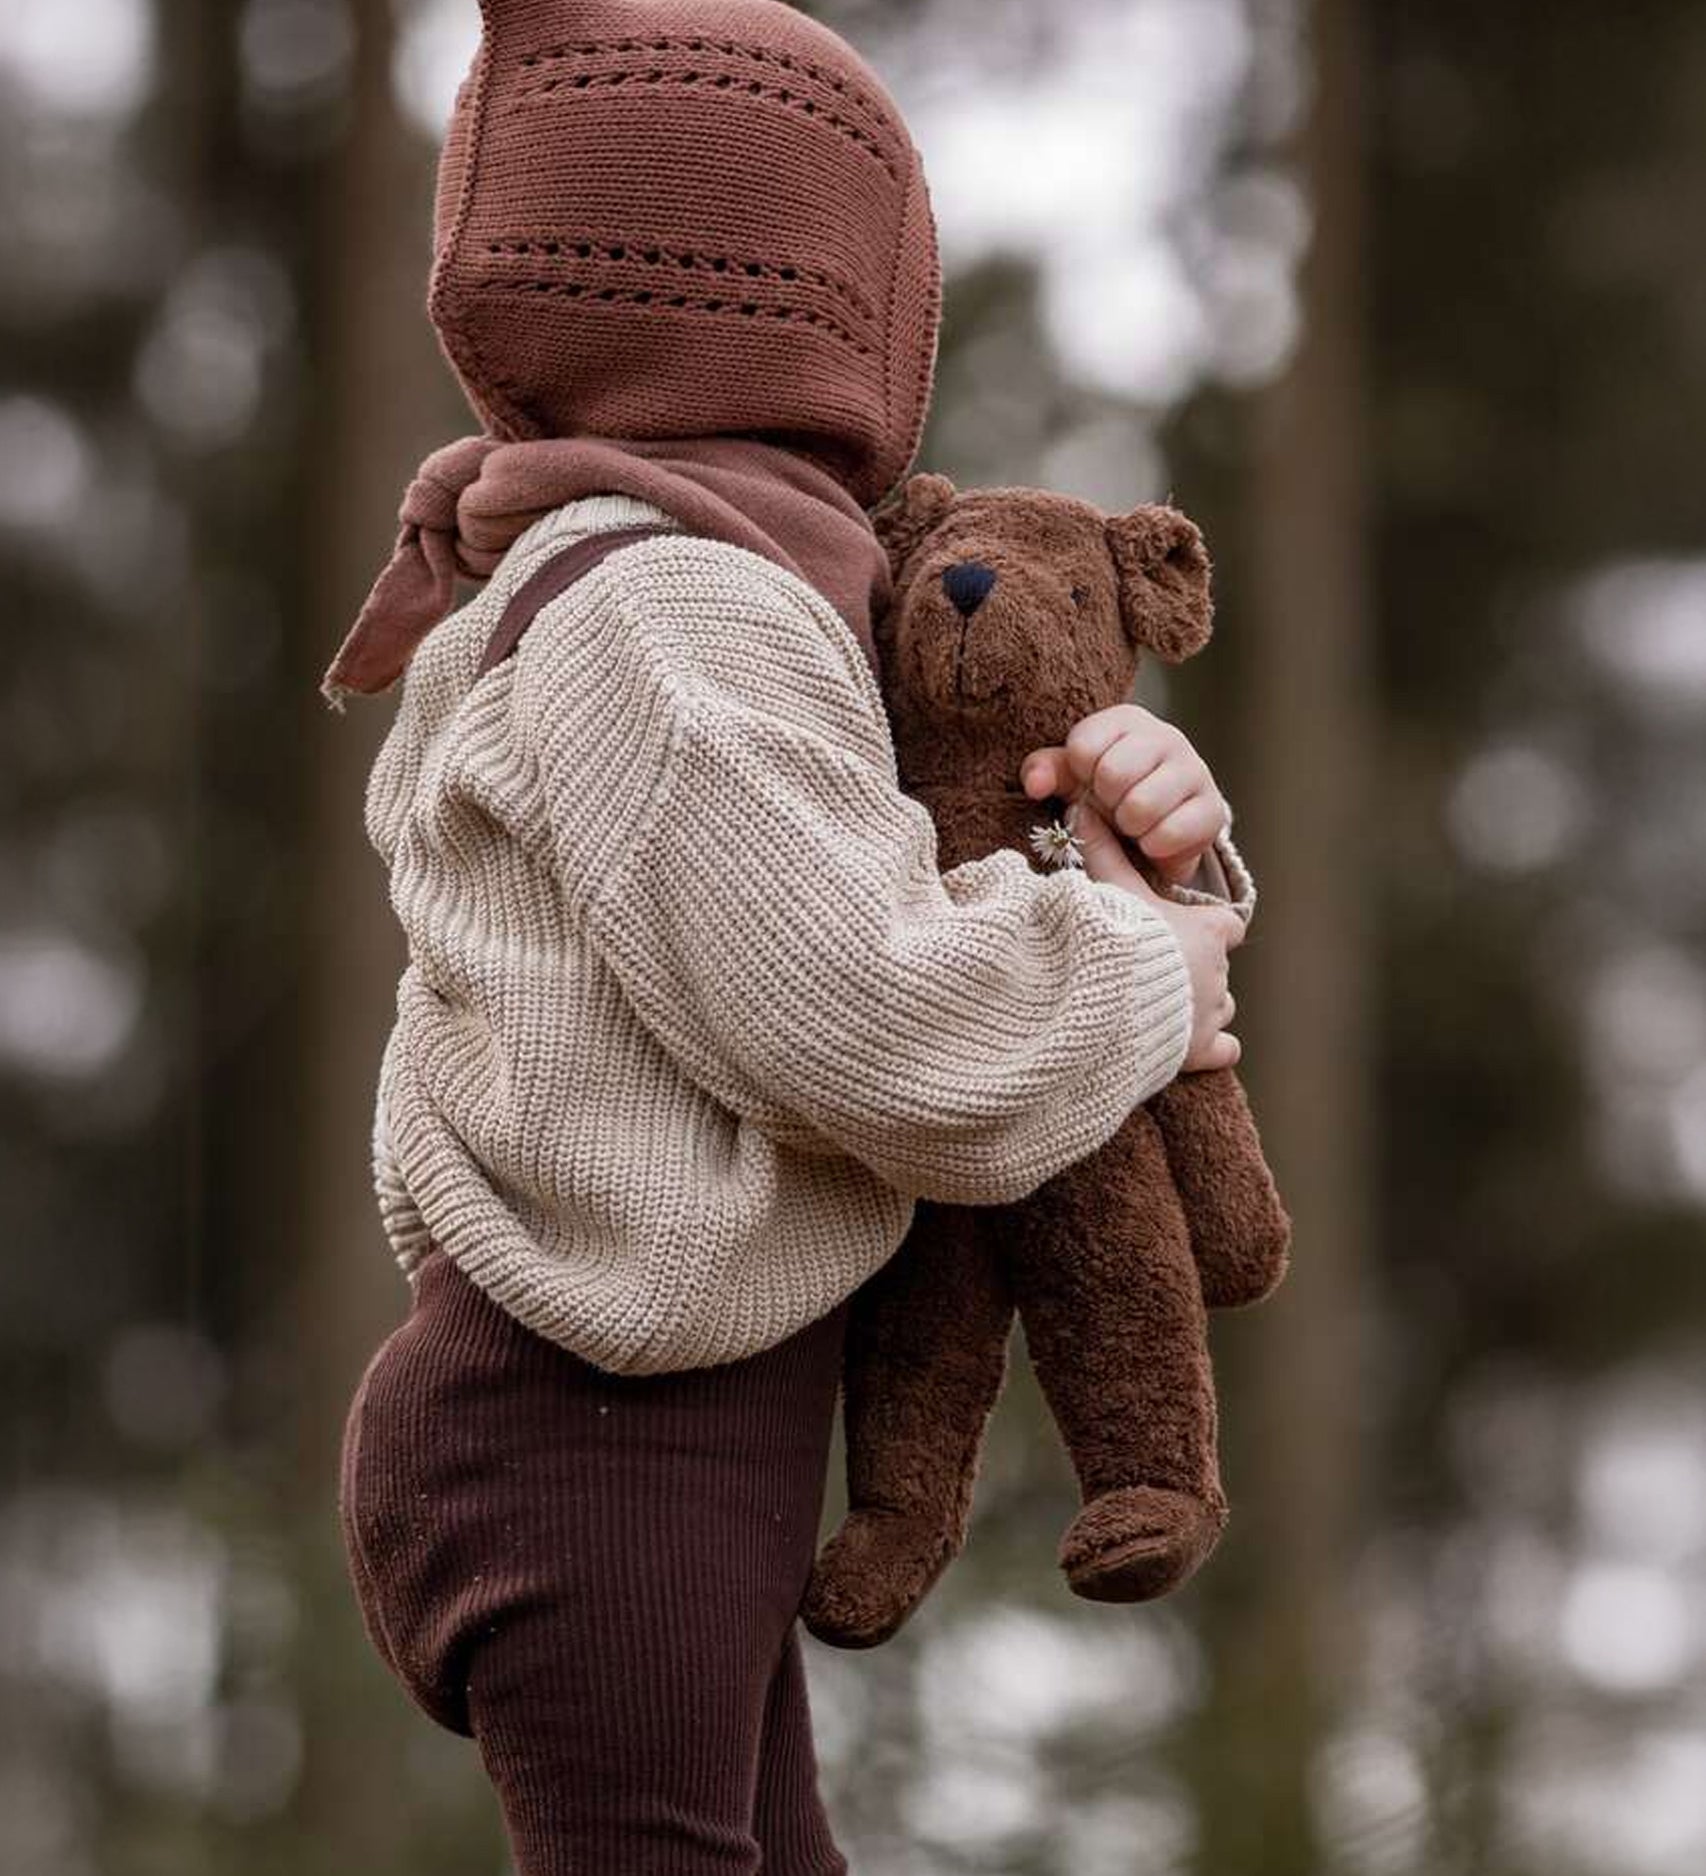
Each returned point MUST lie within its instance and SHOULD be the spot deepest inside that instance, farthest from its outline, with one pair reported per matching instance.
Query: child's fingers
(1135, 738)
(1178, 840)
(1152, 788)
(1140, 739)
(1138, 805)
(1089, 740)
(1232, 926)
(1104, 855)
(1046, 772)
(1224, 1052)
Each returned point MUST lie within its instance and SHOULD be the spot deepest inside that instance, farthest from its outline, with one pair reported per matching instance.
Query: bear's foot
(1137, 1542)
(872, 1574)
(1247, 1267)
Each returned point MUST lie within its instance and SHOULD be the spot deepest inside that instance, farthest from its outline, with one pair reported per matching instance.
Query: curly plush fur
(1015, 613)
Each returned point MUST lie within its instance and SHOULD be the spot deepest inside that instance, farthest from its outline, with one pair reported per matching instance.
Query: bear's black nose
(969, 584)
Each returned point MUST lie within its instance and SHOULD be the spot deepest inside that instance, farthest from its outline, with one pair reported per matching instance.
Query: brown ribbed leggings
(596, 1576)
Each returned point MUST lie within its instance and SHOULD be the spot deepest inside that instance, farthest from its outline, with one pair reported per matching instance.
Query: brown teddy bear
(1015, 613)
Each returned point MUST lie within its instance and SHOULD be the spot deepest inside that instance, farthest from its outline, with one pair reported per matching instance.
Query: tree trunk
(1304, 812)
(376, 406)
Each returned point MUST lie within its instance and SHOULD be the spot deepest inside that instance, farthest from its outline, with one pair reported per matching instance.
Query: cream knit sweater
(690, 1017)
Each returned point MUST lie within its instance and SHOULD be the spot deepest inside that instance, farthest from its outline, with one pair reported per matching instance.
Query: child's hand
(1143, 775)
(1206, 933)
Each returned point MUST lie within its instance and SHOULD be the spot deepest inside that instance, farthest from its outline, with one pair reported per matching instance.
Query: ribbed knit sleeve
(721, 799)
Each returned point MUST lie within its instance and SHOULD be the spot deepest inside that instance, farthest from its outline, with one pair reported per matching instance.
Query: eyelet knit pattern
(676, 218)
(691, 1018)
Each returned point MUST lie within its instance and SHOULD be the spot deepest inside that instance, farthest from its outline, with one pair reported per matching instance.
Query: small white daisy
(1056, 844)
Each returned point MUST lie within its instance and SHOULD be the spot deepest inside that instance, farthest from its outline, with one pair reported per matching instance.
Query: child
(690, 1017)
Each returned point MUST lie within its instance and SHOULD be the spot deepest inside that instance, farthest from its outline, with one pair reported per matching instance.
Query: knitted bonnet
(668, 218)
(683, 251)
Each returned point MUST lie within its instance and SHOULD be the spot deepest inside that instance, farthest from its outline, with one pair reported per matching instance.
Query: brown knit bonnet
(691, 234)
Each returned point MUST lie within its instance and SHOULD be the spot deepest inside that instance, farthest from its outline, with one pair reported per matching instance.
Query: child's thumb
(1103, 852)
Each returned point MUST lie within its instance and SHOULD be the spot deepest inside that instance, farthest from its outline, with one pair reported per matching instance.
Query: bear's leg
(1108, 1292)
(926, 1353)
(1240, 1231)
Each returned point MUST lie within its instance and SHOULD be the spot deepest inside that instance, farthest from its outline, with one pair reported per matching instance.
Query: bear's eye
(1079, 596)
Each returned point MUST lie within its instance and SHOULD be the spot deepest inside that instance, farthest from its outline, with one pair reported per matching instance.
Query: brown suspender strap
(555, 576)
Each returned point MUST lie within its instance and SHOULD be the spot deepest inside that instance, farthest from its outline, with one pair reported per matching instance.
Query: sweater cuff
(1161, 1015)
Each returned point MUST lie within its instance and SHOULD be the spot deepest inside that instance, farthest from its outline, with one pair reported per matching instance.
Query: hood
(673, 218)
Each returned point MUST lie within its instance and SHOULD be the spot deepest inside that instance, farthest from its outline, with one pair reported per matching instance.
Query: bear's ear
(904, 522)
(1165, 595)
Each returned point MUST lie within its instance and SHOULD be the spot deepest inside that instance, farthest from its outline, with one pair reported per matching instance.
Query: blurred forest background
(1408, 306)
